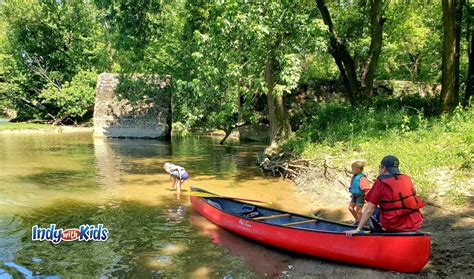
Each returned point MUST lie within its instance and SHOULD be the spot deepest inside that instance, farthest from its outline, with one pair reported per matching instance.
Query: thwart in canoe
(401, 251)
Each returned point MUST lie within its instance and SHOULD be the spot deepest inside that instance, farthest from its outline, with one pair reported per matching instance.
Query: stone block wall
(131, 114)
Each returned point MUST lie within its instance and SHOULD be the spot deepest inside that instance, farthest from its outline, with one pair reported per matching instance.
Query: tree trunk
(452, 15)
(341, 55)
(277, 115)
(228, 130)
(227, 134)
(459, 10)
(368, 72)
(470, 73)
(415, 72)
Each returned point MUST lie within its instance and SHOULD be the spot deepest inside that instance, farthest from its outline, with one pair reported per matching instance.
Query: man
(395, 194)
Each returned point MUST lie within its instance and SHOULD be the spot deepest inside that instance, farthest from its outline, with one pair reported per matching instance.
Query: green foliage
(334, 121)
(411, 47)
(73, 99)
(413, 37)
(215, 51)
(132, 26)
(10, 78)
(232, 42)
(434, 150)
(136, 88)
(46, 45)
(180, 129)
(317, 67)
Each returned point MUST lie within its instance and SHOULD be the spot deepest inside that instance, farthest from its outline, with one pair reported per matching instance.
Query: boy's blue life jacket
(355, 184)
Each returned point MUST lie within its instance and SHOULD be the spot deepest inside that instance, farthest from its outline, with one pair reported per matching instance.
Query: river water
(75, 179)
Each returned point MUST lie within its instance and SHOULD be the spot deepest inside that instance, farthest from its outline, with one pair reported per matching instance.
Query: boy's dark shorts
(358, 199)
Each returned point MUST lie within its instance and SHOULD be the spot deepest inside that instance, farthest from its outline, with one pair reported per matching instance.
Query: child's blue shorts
(176, 174)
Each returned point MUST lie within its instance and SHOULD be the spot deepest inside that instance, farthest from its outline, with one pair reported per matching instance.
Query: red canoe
(402, 252)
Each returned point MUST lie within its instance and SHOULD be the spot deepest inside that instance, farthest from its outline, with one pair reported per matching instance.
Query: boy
(358, 188)
(178, 173)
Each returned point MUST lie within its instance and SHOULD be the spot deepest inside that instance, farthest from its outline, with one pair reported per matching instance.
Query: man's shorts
(374, 221)
(357, 199)
(180, 175)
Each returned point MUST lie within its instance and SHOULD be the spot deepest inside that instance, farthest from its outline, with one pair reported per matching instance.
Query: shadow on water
(71, 150)
(48, 178)
(144, 241)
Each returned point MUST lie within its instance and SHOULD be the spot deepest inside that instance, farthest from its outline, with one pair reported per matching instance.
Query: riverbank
(34, 128)
(438, 155)
(443, 151)
(452, 246)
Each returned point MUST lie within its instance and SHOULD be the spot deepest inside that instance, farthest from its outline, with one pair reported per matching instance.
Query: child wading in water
(179, 175)
(358, 188)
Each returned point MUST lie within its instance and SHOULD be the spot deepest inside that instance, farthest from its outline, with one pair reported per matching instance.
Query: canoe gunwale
(372, 234)
(406, 252)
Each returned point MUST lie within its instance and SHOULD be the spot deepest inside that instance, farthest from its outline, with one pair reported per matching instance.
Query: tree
(341, 55)
(469, 91)
(452, 15)
(345, 62)
(277, 114)
(8, 88)
(243, 51)
(377, 21)
(50, 43)
(413, 42)
(283, 37)
(131, 27)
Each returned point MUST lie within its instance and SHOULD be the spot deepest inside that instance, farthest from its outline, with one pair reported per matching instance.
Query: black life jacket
(404, 199)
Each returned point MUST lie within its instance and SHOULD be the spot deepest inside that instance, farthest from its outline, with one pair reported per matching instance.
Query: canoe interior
(254, 212)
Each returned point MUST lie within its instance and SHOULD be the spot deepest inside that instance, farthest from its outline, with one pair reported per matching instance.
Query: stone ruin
(125, 115)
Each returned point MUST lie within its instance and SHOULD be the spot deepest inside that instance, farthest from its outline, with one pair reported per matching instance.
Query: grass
(436, 151)
(23, 126)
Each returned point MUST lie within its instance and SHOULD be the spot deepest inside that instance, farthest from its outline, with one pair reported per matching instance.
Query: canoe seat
(300, 222)
(271, 217)
(215, 204)
(244, 209)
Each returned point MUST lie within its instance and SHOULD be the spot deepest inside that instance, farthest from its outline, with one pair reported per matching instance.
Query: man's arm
(368, 211)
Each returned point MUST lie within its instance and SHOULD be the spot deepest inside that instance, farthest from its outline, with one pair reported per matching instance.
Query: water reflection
(249, 251)
(144, 240)
(74, 179)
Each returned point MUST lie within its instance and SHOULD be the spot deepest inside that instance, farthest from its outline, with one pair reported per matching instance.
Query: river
(75, 179)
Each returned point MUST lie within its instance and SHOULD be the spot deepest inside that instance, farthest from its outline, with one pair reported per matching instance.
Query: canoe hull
(393, 252)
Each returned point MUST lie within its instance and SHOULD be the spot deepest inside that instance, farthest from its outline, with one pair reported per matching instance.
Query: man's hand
(357, 231)
(351, 232)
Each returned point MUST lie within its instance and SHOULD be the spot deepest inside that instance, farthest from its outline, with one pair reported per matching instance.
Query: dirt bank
(452, 229)
(452, 247)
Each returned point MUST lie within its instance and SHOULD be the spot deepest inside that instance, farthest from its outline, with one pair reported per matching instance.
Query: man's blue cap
(391, 163)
